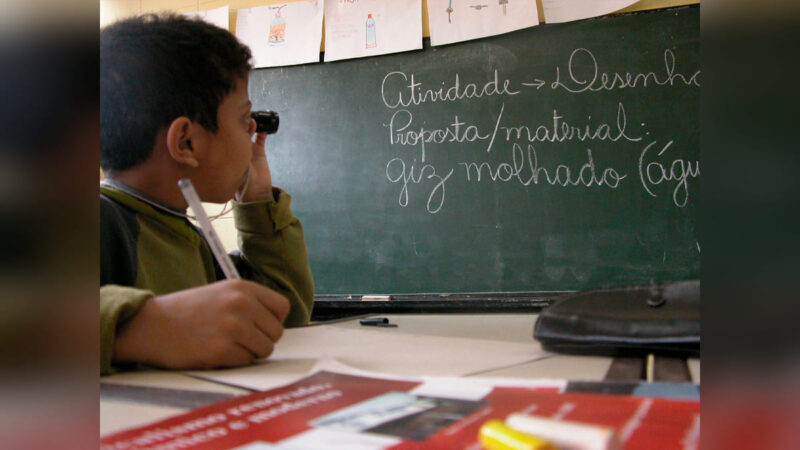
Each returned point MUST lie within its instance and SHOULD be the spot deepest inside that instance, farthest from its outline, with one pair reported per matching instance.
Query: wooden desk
(136, 398)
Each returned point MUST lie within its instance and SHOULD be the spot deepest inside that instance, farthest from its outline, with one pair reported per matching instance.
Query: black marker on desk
(208, 230)
(374, 321)
(377, 322)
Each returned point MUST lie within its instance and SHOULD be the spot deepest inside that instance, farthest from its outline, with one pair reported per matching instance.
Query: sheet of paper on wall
(216, 16)
(360, 28)
(556, 11)
(282, 34)
(459, 20)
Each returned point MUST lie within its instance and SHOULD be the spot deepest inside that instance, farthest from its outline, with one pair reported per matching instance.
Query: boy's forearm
(272, 241)
(117, 305)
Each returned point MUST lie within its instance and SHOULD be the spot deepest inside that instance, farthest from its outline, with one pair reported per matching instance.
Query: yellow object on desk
(495, 435)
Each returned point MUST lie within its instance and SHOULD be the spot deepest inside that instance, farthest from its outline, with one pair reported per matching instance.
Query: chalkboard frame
(332, 307)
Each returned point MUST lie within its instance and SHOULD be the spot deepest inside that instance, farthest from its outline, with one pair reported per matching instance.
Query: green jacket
(147, 251)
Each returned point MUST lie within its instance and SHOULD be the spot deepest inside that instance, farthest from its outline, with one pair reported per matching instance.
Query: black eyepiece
(266, 121)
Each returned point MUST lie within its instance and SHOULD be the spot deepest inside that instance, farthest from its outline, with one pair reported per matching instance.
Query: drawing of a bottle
(449, 11)
(371, 39)
(277, 29)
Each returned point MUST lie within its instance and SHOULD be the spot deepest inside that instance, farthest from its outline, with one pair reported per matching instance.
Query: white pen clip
(208, 230)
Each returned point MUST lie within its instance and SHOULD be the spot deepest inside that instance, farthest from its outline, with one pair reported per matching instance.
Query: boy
(174, 104)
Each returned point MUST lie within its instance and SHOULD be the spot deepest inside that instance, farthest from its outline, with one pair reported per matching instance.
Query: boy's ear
(179, 141)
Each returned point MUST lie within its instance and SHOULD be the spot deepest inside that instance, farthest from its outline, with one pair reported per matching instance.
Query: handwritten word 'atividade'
(399, 89)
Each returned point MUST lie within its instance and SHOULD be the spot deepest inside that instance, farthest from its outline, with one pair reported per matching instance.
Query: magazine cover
(329, 410)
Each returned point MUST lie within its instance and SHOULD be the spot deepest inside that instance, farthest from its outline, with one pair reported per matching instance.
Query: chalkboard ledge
(332, 307)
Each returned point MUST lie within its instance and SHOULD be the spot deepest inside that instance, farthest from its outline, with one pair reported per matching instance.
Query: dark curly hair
(156, 68)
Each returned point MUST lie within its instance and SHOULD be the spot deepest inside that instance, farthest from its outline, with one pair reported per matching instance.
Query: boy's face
(226, 154)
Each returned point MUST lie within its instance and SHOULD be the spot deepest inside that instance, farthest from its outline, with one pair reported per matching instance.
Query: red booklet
(333, 410)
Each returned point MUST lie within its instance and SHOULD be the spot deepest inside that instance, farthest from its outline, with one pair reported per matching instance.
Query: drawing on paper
(372, 41)
(503, 3)
(277, 28)
(449, 10)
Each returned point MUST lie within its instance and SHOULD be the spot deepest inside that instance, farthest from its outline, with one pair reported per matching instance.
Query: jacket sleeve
(117, 304)
(273, 245)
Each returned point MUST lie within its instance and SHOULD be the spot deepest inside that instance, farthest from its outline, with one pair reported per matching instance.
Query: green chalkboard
(558, 157)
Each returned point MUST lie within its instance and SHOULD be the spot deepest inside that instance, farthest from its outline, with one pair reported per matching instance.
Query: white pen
(208, 230)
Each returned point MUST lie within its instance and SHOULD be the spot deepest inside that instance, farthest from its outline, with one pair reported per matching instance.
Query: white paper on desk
(282, 34)
(478, 388)
(477, 19)
(328, 439)
(441, 384)
(356, 29)
(390, 351)
(385, 351)
(329, 364)
(216, 16)
(263, 375)
(556, 11)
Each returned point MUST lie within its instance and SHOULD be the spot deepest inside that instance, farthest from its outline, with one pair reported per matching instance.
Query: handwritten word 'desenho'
(583, 74)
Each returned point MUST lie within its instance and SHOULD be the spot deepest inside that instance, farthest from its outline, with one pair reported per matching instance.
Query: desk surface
(136, 398)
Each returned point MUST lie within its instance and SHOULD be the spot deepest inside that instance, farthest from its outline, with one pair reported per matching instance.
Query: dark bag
(626, 321)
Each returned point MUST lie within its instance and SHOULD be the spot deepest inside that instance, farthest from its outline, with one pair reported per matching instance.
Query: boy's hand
(224, 324)
(260, 186)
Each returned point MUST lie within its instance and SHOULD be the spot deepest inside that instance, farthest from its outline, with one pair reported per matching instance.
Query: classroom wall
(111, 10)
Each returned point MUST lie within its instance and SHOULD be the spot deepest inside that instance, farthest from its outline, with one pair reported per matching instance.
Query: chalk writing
(584, 75)
(396, 171)
(562, 130)
(680, 171)
(457, 131)
(394, 95)
(525, 169)
(519, 159)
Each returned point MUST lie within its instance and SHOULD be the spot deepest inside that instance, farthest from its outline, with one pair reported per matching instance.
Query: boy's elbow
(300, 314)
(302, 305)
